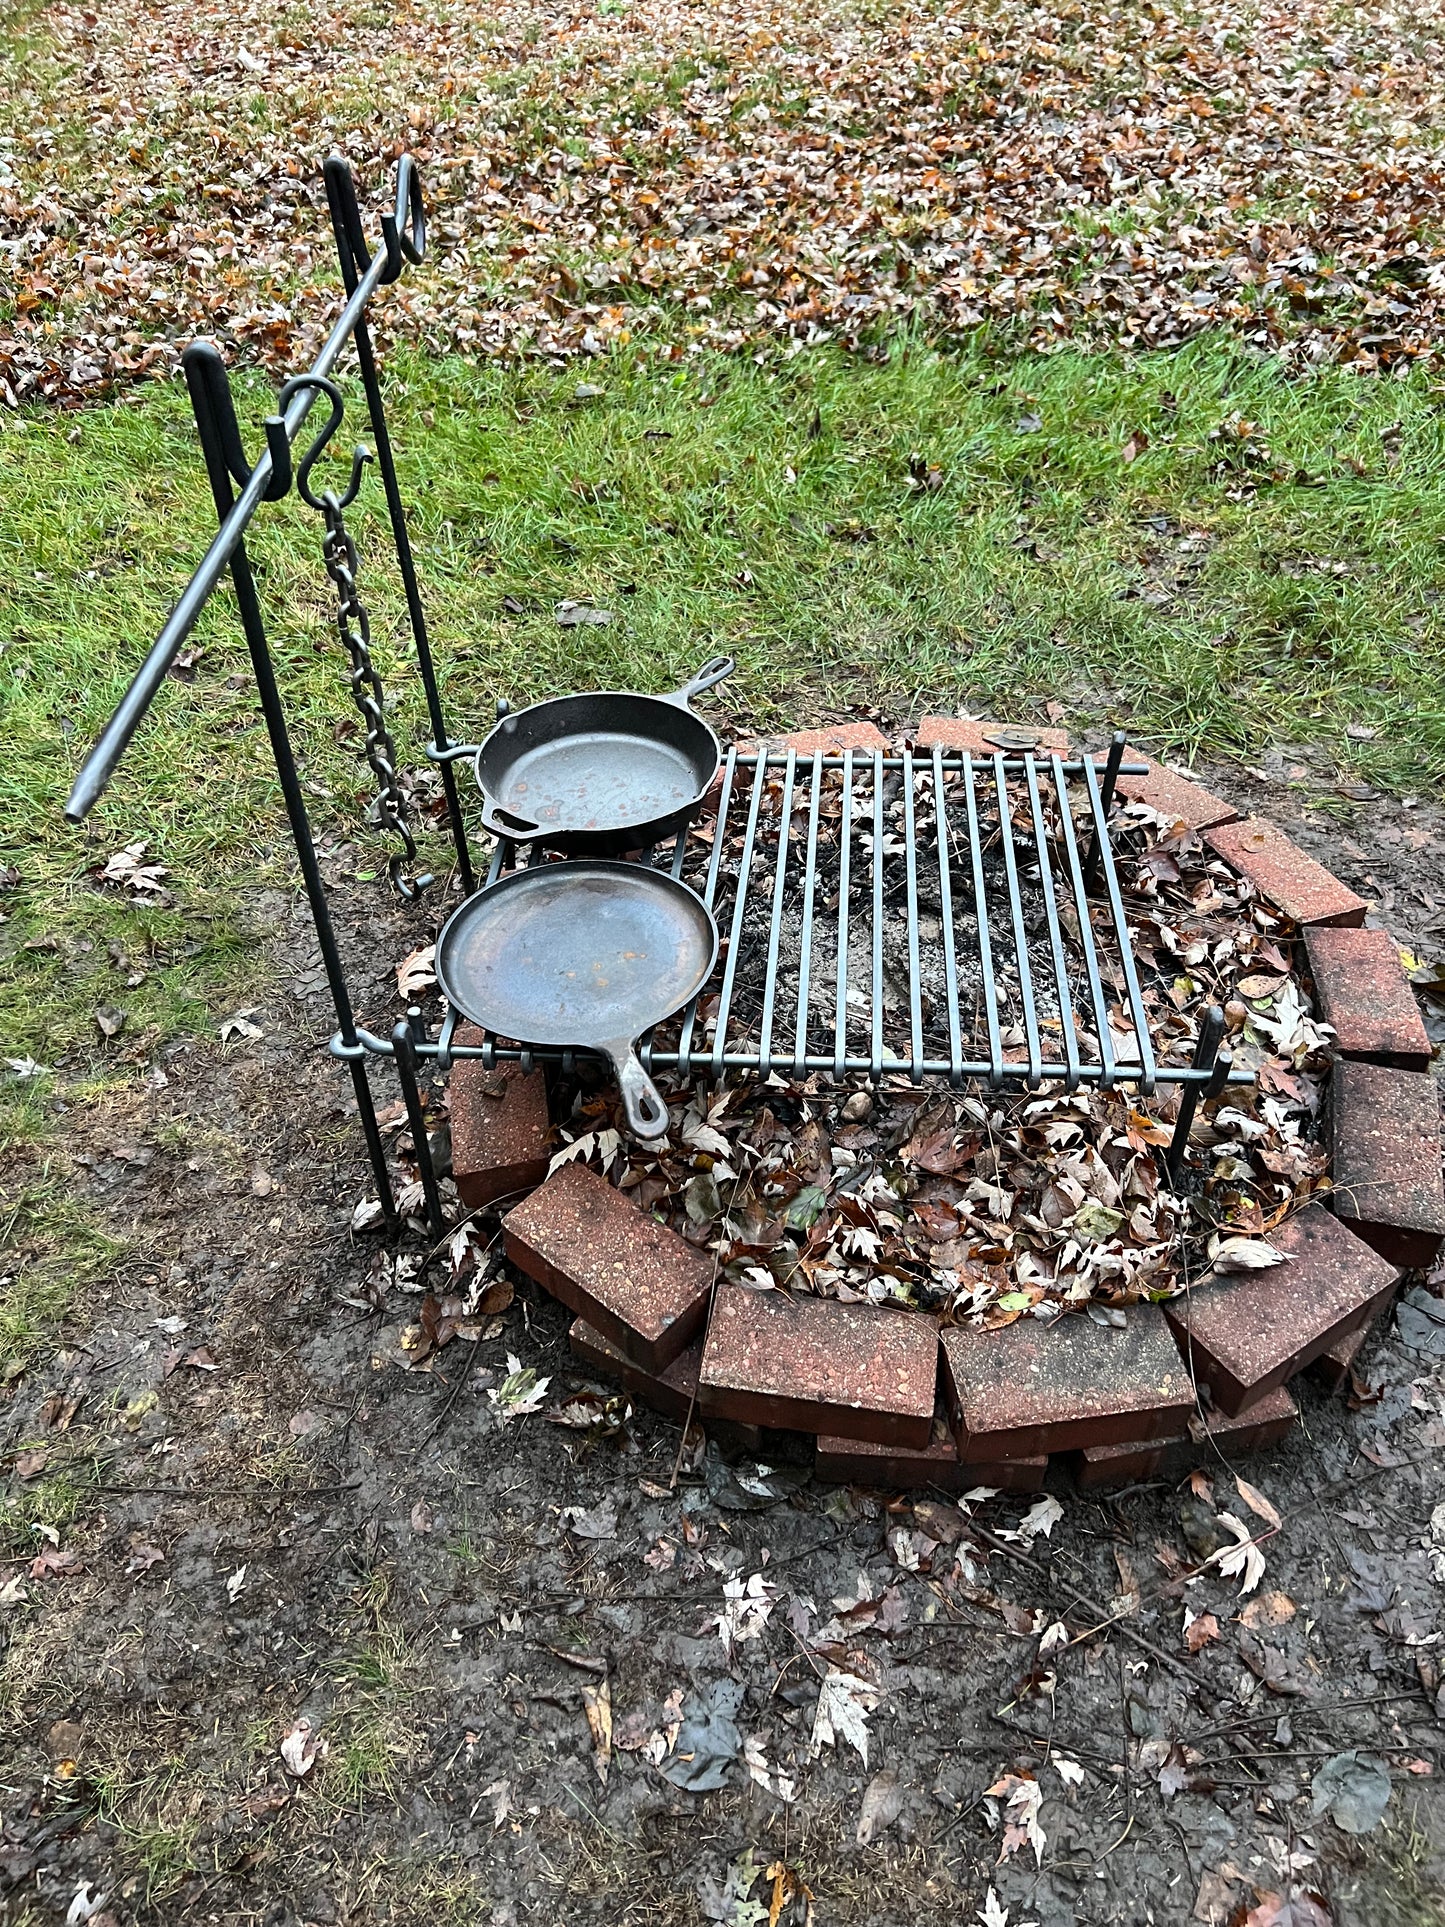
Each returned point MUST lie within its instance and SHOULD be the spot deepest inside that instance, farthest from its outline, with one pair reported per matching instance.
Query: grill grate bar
(915, 990)
(1016, 918)
(845, 851)
(1104, 856)
(1056, 933)
(805, 939)
(1084, 915)
(945, 904)
(775, 929)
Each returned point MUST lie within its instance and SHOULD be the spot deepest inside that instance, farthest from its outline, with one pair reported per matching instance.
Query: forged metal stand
(238, 487)
(1068, 875)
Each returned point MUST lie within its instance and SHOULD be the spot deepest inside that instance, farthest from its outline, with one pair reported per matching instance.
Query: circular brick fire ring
(894, 1402)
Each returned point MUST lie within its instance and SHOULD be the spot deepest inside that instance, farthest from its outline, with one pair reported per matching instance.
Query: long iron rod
(99, 766)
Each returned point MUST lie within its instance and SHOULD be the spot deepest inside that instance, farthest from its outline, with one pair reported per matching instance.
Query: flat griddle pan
(584, 955)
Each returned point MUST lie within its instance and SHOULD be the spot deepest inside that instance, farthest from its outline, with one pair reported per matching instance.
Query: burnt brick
(961, 733)
(814, 1365)
(1304, 890)
(500, 1128)
(1034, 1388)
(1243, 1333)
(892, 1468)
(672, 1393)
(1365, 996)
(1173, 795)
(638, 1283)
(1385, 1146)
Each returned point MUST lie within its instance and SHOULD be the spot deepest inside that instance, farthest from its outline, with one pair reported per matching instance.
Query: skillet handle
(708, 677)
(503, 823)
(646, 1112)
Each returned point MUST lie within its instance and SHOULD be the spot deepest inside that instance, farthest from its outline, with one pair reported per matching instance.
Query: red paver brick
(1100, 1465)
(1263, 1423)
(1332, 1367)
(813, 1365)
(638, 1283)
(1279, 869)
(1364, 994)
(500, 1128)
(1244, 1333)
(1034, 1388)
(960, 733)
(1173, 795)
(892, 1468)
(829, 739)
(673, 1392)
(1385, 1144)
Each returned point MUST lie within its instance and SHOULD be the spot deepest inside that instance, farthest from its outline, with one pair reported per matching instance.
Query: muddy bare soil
(281, 1521)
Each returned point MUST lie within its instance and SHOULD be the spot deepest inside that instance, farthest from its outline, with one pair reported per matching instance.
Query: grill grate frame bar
(1056, 809)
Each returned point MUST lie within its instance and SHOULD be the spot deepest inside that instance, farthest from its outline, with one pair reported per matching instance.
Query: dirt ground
(281, 1521)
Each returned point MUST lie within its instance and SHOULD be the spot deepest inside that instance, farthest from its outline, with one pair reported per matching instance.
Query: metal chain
(353, 625)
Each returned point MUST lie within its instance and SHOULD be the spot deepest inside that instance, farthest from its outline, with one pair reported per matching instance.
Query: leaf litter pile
(788, 173)
(986, 1206)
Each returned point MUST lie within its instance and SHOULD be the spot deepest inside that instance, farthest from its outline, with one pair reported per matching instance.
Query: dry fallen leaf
(597, 1703)
(302, 1747)
(1258, 1503)
(882, 1804)
(1199, 1631)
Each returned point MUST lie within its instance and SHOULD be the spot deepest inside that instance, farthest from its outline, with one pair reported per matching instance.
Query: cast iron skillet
(587, 955)
(605, 772)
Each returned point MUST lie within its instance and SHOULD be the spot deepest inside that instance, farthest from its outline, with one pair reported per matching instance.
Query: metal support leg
(207, 381)
(1106, 803)
(1207, 1057)
(346, 225)
(405, 1051)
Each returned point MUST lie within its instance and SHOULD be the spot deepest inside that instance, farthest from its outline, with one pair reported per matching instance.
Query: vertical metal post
(1207, 1057)
(404, 1049)
(215, 422)
(1106, 803)
(351, 248)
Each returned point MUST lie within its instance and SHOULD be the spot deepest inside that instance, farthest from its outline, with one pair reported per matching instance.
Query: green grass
(1222, 592)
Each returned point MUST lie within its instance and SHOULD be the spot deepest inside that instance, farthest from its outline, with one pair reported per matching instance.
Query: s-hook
(353, 625)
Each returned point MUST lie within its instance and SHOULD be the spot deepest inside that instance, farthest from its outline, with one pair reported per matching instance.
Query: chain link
(353, 625)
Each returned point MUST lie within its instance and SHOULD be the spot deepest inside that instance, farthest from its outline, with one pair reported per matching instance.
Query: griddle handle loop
(641, 1099)
(708, 677)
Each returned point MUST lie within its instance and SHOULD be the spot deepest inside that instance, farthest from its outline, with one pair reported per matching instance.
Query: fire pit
(919, 1169)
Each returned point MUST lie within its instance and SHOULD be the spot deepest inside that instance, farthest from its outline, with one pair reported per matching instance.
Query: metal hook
(280, 447)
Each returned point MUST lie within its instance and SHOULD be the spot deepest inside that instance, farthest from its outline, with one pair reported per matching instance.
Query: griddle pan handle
(641, 1099)
(708, 677)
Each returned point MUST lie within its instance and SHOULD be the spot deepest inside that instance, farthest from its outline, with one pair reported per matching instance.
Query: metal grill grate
(935, 915)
